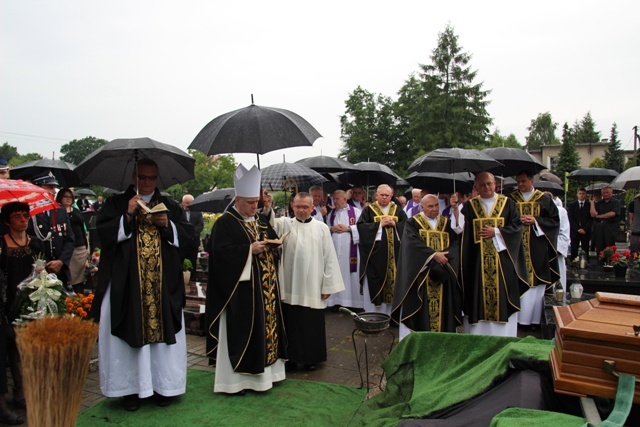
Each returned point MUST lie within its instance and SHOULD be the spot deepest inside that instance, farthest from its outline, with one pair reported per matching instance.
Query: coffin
(592, 338)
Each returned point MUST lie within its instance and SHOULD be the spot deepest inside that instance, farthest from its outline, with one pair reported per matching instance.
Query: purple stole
(412, 207)
(353, 253)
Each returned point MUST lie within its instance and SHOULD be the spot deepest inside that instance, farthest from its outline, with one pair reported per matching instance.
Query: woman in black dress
(17, 256)
(78, 263)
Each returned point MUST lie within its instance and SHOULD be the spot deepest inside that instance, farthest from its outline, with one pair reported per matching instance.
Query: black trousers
(577, 241)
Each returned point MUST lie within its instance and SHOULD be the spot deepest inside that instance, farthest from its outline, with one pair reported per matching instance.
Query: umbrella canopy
(84, 192)
(215, 201)
(63, 171)
(371, 173)
(552, 187)
(594, 188)
(112, 165)
(438, 182)
(548, 176)
(39, 199)
(514, 160)
(290, 176)
(450, 160)
(593, 174)
(627, 179)
(327, 164)
(254, 129)
(111, 191)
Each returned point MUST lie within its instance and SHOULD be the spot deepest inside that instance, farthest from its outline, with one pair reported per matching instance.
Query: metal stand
(365, 352)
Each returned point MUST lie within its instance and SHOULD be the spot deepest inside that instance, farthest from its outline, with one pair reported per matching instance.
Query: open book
(277, 242)
(161, 207)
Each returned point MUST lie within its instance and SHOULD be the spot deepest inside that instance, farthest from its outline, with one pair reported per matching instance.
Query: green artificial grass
(288, 403)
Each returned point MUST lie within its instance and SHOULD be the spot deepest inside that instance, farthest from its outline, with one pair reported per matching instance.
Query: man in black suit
(197, 221)
(581, 222)
(53, 227)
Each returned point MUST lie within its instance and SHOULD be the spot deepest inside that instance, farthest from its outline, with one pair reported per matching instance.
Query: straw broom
(55, 353)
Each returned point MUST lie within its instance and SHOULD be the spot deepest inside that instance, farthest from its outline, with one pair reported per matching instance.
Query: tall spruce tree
(449, 110)
(584, 132)
(568, 158)
(613, 154)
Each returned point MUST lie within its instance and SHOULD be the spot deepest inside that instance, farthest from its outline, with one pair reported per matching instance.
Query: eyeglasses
(147, 177)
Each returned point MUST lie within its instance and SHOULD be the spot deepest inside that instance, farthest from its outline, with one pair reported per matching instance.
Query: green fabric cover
(427, 372)
(532, 417)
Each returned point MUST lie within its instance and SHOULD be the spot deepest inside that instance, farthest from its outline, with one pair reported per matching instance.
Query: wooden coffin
(591, 334)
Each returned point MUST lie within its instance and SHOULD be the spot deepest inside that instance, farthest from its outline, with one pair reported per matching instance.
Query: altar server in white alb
(344, 233)
(309, 274)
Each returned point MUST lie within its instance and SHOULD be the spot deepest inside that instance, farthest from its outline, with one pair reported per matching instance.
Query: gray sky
(164, 69)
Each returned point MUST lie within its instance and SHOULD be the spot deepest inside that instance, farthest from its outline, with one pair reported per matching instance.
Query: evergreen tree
(542, 131)
(448, 109)
(584, 132)
(614, 155)
(568, 158)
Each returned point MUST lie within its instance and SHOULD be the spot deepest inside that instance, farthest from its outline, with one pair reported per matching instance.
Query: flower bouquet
(79, 304)
(39, 294)
(606, 255)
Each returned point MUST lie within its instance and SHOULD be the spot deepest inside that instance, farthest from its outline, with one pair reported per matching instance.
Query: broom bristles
(55, 353)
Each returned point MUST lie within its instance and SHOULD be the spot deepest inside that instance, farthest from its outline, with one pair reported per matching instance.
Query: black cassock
(428, 294)
(255, 332)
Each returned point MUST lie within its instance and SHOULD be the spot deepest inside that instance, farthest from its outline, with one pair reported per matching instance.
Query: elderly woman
(81, 252)
(17, 252)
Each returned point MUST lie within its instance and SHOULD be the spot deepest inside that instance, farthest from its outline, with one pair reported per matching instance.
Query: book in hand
(277, 242)
(159, 208)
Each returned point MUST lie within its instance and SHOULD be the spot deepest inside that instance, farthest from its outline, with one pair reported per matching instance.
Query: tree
(8, 151)
(20, 159)
(584, 132)
(370, 132)
(542, 131)
(497, 140)
(613, 154)
(442, 106)
(210, 172)
(597, 163)
(568, 158)
(75, 151)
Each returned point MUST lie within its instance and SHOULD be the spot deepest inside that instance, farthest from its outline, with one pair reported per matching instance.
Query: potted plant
(620, 262)
(186, 271)
(606, 254)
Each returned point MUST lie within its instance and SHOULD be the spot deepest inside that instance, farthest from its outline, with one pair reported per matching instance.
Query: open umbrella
(290, 176)
(627, 179)
(39, 199)
(327, 164)
(371, 173)
(254, 129)
(514, 160)
(112, 165)
(594, 188)
(84, 192)
(552, 187)
(215, 201)
(63, 171)
(548, 176)
(593, 174)
(439, 182)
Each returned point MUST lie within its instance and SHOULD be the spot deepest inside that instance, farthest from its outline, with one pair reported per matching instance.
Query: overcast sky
(123, 69)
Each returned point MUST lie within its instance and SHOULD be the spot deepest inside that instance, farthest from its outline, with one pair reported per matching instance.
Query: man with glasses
(606, 218)
(53, 227)
(4, 168)
(358, 198)
(380, 227)
(140, 295)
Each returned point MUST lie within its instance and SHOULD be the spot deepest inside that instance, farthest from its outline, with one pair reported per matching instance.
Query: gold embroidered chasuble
(438, 240)
(489, 257)
(528, 207)
(390, 279)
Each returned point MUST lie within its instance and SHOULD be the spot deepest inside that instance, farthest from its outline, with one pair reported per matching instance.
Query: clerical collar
(304, 221)
(246, 219)
(527, 194)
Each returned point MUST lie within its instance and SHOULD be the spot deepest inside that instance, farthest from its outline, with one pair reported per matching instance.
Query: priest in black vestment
(380, 227)
(245, 332)
(493, 270)
(540, 227)
(427, 295)
(140, 295)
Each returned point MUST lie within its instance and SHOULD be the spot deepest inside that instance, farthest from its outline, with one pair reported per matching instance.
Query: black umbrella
(63, 171)
(514, 160)
(371, 173)
(594, 188)
(290, 176)
(112, 165)
(327, 164)
(111, 191)
(84, 192)
(593, 174)
(439, 182)
(254, 129)
(549, 186)
(215, 201)
(548, 176)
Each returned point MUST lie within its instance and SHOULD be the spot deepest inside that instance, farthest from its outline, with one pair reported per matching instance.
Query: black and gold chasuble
(378, 259)
(427, 294)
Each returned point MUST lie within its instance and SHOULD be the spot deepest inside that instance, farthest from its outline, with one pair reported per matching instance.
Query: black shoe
(162, 400)
(11, 418)
(310, 367)
(131, 402)
(290, 366)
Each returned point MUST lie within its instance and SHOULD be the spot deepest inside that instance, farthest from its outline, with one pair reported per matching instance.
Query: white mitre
(247, 182)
